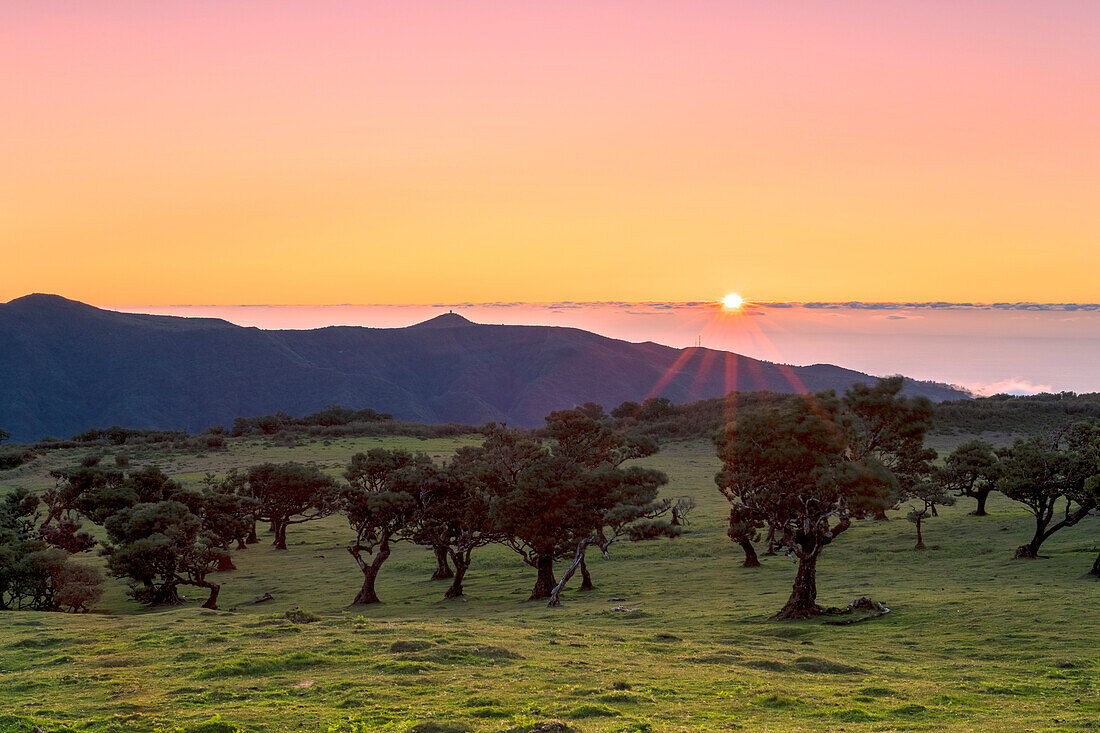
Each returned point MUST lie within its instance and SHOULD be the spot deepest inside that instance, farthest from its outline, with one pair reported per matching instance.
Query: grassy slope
(975, 640)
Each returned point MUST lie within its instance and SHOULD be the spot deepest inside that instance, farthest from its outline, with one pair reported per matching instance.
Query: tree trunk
(771, 544)
(545, 582)
(1096, 567)
(880, 516)
(803, 600)
(240, 544)
(461, 566)
(442, 569)
(578, 562)
(981, 497)
(167, 595)
(675, 516)
(252, 538)
(586, 577)
(751, 560)
(1030, 551)
(225, 563)
(279, 528)
(212, 601)
(920, 537)
(272, 527)
(370, 572)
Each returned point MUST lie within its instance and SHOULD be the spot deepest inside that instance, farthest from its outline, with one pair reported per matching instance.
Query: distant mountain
(66, 366)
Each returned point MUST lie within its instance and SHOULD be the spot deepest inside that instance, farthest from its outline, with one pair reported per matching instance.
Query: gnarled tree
(159, 546)
(793, 465)
(970, 470)
(1044, 474)
(290, 493)
(379, 503)
(453, 513)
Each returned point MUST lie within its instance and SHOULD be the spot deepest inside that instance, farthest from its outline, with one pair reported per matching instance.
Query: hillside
(68, 366)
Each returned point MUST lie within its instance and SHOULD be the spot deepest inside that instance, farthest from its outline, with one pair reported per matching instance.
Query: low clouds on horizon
(680, 305)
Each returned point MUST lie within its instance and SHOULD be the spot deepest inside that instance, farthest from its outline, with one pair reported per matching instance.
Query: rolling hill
(68, 366)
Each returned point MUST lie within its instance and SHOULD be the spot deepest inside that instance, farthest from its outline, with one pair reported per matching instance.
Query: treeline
(546, 500)
(1004, 414)
(1021, 415)
(804, 469)
(331, 416)
(330, 422)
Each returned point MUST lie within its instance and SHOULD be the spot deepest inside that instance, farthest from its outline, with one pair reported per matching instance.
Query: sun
(733, 301)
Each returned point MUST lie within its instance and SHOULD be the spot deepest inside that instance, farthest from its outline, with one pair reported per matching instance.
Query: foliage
(289, 493)
(379, 503)
(970, 470)
(1040, 473)
(158, 546)
(807, 468)
(34, 575)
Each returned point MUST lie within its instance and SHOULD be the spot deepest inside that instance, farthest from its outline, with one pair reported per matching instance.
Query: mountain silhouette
(67, 366)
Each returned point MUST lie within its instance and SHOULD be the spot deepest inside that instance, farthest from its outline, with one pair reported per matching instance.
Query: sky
(422, 152)
(617, 166)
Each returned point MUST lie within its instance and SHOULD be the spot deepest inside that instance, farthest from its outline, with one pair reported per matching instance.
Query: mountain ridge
(70, 366)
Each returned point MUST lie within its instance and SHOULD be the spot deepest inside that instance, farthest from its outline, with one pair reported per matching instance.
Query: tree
(89, 491)
(1042, 473)
(616, 503)
(379, 503)
(290, 493)
(558, 502)
(226, 512)
(534, 500)
(970, 470)
(928, 495)
(454, 514)
(33, 575)
(793, 465)
(159, 546)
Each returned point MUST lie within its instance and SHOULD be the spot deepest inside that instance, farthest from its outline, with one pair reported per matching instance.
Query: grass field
(975, 640)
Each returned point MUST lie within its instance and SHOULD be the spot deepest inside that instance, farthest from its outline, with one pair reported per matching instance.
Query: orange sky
(357, 152)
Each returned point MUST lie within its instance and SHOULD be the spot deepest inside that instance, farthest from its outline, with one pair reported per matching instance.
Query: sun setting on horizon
(733, 302)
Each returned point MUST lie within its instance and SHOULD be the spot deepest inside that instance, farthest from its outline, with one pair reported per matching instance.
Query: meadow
(975, 640)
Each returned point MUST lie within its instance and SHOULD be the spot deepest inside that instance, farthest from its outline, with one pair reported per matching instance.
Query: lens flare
(733, 301)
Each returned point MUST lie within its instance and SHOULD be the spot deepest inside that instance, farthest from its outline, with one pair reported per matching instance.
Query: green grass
(975, 640)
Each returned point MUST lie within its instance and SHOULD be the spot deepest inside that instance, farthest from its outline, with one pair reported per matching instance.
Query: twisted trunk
(225, 563)
(166, 595)
(981, 496)
(803, 600)
(771, 544)
(366, 594)
(442, 569)
(1030, 551)
(920, 537)
(278, 526)
(586, 577)
(751, 560)
(578, 562)
(544, 583)
(212, 601)
(462, 564)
